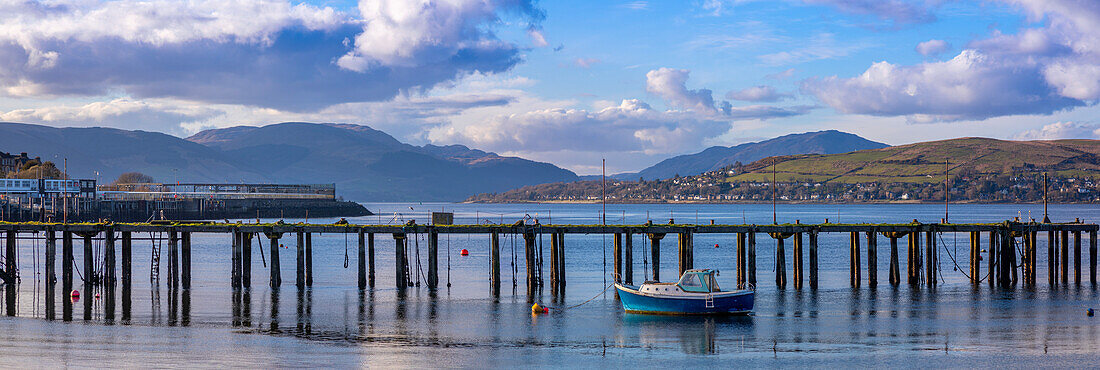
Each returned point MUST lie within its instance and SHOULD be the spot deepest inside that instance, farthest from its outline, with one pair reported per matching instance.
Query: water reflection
(695, 335)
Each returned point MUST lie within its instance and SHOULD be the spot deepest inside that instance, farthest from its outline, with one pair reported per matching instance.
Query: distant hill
(368, 164)
(112, 152)
(982, 170)
(717, 157)
(926, 162)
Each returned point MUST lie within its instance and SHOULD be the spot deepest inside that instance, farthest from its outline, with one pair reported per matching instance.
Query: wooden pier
(1005, 269)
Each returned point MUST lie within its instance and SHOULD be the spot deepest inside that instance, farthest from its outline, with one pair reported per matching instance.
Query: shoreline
(754, 202)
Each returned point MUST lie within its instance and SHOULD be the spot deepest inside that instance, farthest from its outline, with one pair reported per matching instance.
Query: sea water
(463, 325)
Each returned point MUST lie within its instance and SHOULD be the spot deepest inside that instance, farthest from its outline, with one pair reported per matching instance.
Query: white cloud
(819, 47)
(125, 113)
(932, 48)
(1035, 71)
(1062, 130)
(636, 5)
(899, 12)
(762, 93)
(671, 84)
(269, 53)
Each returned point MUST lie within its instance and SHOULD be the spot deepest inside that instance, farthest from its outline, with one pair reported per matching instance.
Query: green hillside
(926, 162)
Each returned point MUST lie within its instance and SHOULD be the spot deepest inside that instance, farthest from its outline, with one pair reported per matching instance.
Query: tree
(37, 170)
(133, 178)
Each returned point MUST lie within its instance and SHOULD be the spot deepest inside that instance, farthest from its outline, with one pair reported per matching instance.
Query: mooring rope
(346, 250)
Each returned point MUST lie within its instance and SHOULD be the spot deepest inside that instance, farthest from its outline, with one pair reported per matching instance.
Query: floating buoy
(716, 245)
(97, 296)
(1088, 312)
(464, 252)
(536, 309)
(75, 294)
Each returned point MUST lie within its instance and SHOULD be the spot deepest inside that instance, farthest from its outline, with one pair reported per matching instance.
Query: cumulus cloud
(267, 53)
(932, 48)
(1042, 70)
(121, 113)
(671, 85)
(762, 93)
(1062, 130)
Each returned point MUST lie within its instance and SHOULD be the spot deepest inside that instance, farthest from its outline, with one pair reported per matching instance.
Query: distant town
(716, 186)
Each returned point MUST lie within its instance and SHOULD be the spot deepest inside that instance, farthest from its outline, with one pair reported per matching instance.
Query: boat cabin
(699, 281)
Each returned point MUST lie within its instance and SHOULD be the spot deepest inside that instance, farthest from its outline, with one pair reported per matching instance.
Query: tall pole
(946, 188)
(65, 195)
(603, 190)
(775, 218)
(1046, 217)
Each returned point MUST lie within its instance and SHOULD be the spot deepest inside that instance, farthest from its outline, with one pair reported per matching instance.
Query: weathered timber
(813, 260)
(872, 259)
(628, 257)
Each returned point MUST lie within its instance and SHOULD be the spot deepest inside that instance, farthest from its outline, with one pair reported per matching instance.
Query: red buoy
(75, 294)
(716, 245)
(464, 252)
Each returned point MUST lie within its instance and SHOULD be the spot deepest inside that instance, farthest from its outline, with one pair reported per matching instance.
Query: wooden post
(1092, 257)
(494, 256)
(236, 279)
(561, 262)
(895, 269)
(51, 259)
(740, 260)
(930, 258)
(617, 250)
(300, 270)
(975, 257)
(246, 260)
(994, 240)
(780, 263)
(752, 258)
(309, 259)
(797, 261)
(872, 259)
(433, 259)
(51, 273)
(1077, 257)
(185, 259)
(554, 263)
(655, 253)
(173, 260)
(127, 272)
(9, 262)
(67, 273)
(276, 278)
(370, 259)
(1065, 257)
(687, 253)
(1052, 257)
(361, 259)
(402, 275)
(813, 259)
(628, 268)
(89, 265)
(529, 260)
(109, 258)
(854, 259)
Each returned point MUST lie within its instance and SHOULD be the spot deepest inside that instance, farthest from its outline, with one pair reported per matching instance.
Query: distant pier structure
(83, 200)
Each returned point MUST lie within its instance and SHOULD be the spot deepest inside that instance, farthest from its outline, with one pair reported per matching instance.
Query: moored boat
(697, 293)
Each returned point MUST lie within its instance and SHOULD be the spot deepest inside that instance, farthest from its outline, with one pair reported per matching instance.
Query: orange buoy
(464, 252)
(75, 294)
(536, 309)
(97, 296)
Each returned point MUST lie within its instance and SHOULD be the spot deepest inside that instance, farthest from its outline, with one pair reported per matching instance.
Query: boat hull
(737, 302)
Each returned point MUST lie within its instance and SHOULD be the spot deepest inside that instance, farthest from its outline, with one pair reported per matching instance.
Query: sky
(567, 82)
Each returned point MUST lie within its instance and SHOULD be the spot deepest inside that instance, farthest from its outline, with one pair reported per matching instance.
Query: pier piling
(813, 259)
(561, 262)
(686, 251)
(109, 259)
(275, 276)
(872, 259)
(361, 259)
(617, 259)
(1064, 254)
(895, 269)
(246, 261)
(51, 273)
(494, 262)
(433, 259)
(529, 260)
(1077, 257)
(402, 275)
(1052, 257)
(185, 260)
(173, 260)
(300, 260)
(628, 255)
(740, 260)
(752, 258)
(67, 273)
(236, 260)
(554, 263)
(127, 273)
(853, 260)
(780, 261)
(309, 259)
(655, 253)
(930, 259)
(797, 265)
(370, 259)
(975, 257)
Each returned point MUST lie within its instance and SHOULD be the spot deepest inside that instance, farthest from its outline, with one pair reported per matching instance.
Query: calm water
(334, 324)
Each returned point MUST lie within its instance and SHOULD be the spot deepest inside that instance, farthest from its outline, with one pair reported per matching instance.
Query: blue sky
(568, 82)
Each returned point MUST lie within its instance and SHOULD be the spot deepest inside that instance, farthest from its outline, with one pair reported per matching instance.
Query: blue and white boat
(697, 293)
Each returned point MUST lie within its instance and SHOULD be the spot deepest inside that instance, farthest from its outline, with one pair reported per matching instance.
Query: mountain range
(366, 164)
